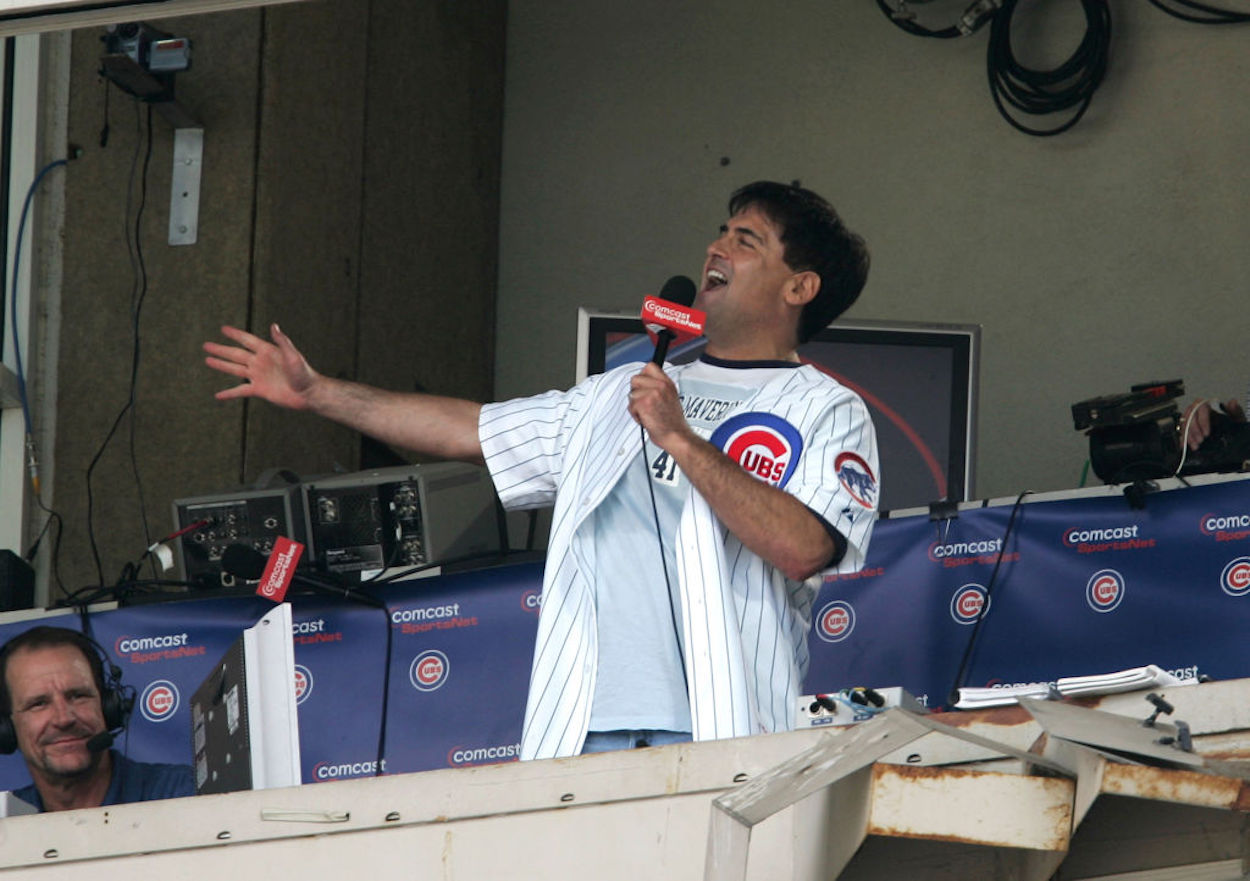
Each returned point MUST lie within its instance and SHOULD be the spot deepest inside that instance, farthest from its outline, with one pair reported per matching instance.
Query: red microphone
(670, 317)
(279, 569)
(275, 572)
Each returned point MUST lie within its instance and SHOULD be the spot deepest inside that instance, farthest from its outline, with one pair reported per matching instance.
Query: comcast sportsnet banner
(1086, 585)
(460, 667)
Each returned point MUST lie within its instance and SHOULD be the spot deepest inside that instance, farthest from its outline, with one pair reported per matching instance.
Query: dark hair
(815, 239)
(48, 637)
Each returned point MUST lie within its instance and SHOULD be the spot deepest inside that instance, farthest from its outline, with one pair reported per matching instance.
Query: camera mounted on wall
(143, 61)
(1139, 436)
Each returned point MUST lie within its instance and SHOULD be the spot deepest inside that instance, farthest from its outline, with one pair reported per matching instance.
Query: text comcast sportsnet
(483, 755)
(1228, 527)
(340, 770)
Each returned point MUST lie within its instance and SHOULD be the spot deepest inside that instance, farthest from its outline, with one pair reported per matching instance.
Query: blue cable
(17, 262)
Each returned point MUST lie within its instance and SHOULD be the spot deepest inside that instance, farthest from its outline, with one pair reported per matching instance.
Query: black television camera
(1139, 436)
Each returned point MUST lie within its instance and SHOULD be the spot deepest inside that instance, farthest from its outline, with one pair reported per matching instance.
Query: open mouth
(716, 279)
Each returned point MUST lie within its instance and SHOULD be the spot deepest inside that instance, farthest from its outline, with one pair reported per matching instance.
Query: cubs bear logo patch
(856, 478)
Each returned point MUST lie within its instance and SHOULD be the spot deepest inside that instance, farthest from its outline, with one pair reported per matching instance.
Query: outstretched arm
(771, 522)
(278, 373)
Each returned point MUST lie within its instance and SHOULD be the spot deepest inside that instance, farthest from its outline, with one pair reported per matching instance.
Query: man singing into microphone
(679, 582)
(59, 711)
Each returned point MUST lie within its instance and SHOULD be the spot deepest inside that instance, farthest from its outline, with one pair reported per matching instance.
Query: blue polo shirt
(132, 782)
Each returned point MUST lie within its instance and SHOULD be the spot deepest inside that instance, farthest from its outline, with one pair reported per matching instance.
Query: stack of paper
(1148, 676)
(980, 698)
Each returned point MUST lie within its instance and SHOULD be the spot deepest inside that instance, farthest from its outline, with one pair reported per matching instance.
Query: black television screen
(918, 380)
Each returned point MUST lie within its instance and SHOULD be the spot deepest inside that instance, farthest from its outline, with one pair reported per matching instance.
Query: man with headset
(61, 712)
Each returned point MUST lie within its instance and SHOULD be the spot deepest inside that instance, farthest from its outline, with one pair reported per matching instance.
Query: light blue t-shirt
(641, 683)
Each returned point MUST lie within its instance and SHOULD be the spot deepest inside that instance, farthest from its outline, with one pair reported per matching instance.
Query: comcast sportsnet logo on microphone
(280, 569)
(684, 321)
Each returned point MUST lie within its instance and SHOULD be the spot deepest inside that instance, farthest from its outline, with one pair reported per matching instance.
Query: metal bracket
(840, 761)
(184, 187)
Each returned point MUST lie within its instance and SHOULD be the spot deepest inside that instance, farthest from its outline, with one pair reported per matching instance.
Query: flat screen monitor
(918, 380)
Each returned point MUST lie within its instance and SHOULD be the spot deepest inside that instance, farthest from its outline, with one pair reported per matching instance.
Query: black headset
(116, 700)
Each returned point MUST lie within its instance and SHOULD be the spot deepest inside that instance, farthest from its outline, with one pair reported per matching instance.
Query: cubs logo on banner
(763, 444)
(303, 683)
(967, 603)
(835, 621)
(1235, 579)
(429, 670)
(159, 701)
(856, 478)
(1105, 590)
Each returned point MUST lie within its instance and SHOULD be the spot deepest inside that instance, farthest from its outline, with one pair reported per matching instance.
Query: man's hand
(654, 404)
(769, 521)
(276, 371)
(1198, 420)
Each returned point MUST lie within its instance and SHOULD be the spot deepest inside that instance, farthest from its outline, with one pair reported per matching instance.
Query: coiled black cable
(1016, 88)
(1041, 92)
(1202, 13)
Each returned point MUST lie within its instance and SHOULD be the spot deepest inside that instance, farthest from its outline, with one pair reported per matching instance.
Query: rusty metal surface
(1176, 786)
(994, 716)
(971, 807)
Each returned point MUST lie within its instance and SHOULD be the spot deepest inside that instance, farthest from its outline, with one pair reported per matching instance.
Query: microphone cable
(668, 584)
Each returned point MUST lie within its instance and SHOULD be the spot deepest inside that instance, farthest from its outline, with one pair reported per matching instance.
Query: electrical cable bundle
(1041, 92)
(1015, 87)
(1201, 13)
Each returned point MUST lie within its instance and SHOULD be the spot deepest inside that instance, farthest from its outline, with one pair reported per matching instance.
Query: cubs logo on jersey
(856, 478)
(765, 445)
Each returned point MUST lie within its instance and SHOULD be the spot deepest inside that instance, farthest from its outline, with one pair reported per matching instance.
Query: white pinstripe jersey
(744, 623)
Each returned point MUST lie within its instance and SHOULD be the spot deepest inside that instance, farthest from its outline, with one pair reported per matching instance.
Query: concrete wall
(1110, 255)
(350, 191)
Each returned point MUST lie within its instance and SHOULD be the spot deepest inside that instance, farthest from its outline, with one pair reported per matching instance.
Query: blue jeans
(607, 741)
